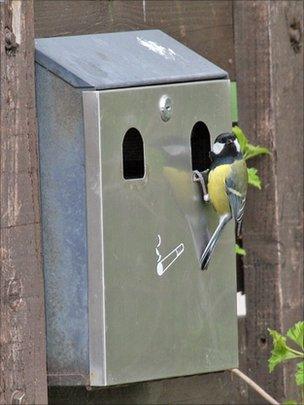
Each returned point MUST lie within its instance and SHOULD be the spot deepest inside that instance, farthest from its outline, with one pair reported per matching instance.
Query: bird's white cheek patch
(237, 145)
(217, 148)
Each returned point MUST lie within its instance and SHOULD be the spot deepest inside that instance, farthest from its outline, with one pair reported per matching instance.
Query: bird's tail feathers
(206, 256)
(239, 229)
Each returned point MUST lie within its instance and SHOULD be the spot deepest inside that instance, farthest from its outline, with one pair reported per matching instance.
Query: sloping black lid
(123, 59)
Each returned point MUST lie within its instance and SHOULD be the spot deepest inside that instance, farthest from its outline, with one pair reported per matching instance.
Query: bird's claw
(198, 176)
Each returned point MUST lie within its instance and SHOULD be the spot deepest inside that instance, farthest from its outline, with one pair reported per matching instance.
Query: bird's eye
(217, 148)
(237, 145)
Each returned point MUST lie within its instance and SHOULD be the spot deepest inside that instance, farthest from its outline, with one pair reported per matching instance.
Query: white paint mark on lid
(167, 53)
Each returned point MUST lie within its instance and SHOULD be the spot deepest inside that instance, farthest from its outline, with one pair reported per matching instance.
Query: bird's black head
(225, 147)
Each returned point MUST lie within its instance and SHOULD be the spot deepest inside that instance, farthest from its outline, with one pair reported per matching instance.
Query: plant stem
(255, 386)
(296, 352)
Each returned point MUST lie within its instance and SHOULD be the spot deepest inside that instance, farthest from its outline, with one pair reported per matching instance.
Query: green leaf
(296, 333)
(300, 373)
(241, 137)
(252, 151)
(239, 251)
(290, 402)
(253, 178)
(280, 352)
(249, 151)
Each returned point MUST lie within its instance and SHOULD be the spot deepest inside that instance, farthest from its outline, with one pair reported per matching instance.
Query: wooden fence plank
(213, 388)
(22, 333)
(204, 26)
(270, 83)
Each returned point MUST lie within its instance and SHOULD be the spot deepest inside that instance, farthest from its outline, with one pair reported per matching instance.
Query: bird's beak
(230, 141)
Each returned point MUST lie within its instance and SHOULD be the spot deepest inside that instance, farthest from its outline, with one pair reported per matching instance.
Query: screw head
(165, 108)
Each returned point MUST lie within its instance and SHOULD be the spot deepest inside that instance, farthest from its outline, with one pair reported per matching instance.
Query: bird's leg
(205, 258)
(198, 176)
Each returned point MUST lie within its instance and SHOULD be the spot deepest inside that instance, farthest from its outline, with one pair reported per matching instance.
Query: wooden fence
(260, 44)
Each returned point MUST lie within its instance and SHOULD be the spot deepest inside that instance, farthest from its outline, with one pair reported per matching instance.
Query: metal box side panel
(61, 149)
(184, 322)
(97, 321)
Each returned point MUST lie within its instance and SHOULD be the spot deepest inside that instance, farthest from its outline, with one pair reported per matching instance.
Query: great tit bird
(227, 187)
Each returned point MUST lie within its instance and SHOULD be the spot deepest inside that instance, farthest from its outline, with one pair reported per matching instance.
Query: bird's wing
(236, 187)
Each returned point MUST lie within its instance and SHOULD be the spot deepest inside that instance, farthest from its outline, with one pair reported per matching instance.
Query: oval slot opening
(200, 147)
(133, 155)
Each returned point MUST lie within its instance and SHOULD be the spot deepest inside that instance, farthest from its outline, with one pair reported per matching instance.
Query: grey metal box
(126, 300)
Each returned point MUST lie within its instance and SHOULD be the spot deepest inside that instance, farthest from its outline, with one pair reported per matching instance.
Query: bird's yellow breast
(217, 188)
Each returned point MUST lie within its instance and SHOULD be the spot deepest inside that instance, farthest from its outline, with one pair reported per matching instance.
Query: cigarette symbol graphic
(164, 264)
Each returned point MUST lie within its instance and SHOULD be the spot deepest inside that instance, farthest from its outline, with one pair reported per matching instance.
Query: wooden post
(269, 72)
(22, 327)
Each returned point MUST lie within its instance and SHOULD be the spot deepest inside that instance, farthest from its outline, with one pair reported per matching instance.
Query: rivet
(165, 108)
